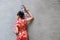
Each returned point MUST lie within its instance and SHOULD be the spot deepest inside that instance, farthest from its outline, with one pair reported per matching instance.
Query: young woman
(20, 25)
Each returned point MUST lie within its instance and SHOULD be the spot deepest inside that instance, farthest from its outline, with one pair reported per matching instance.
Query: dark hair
(20, 14)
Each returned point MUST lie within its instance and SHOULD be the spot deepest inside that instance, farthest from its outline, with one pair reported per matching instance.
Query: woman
(20, 25)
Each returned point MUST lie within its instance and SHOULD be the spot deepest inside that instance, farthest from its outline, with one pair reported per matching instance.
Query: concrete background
(46, 25)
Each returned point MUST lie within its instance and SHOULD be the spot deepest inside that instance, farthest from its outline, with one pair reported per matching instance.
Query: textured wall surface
(46, 25)
(8, 10)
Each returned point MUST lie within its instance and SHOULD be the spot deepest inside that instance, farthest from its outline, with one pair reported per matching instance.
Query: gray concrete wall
(46, 25)
(8, 10)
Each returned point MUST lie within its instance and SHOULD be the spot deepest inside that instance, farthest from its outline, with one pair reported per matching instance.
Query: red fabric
(22, 33)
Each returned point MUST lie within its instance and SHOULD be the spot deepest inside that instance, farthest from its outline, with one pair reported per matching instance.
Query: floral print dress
(22, 30)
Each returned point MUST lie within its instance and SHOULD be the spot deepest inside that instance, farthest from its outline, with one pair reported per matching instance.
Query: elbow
(32, 18)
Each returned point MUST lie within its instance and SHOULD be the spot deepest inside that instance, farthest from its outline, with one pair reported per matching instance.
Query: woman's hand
(31, 17)
(27, 9)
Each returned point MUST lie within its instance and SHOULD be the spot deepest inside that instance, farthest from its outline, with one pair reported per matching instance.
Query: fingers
(27, 9)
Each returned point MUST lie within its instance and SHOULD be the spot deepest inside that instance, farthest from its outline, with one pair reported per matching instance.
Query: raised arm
(31, 17)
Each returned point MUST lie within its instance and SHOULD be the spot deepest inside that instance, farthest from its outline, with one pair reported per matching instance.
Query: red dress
(22, 31)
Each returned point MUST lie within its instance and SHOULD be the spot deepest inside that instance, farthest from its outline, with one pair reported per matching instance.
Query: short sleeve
(17, 23)
(25, 21)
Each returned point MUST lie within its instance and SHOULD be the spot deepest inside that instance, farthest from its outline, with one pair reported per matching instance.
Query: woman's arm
(16, 29)
(31, 17)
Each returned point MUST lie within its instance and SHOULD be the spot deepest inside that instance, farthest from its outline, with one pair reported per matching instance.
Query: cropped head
(20, 14)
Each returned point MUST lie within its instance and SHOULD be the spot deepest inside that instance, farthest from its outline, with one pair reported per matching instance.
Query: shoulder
(17, 22)
(25, 21)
